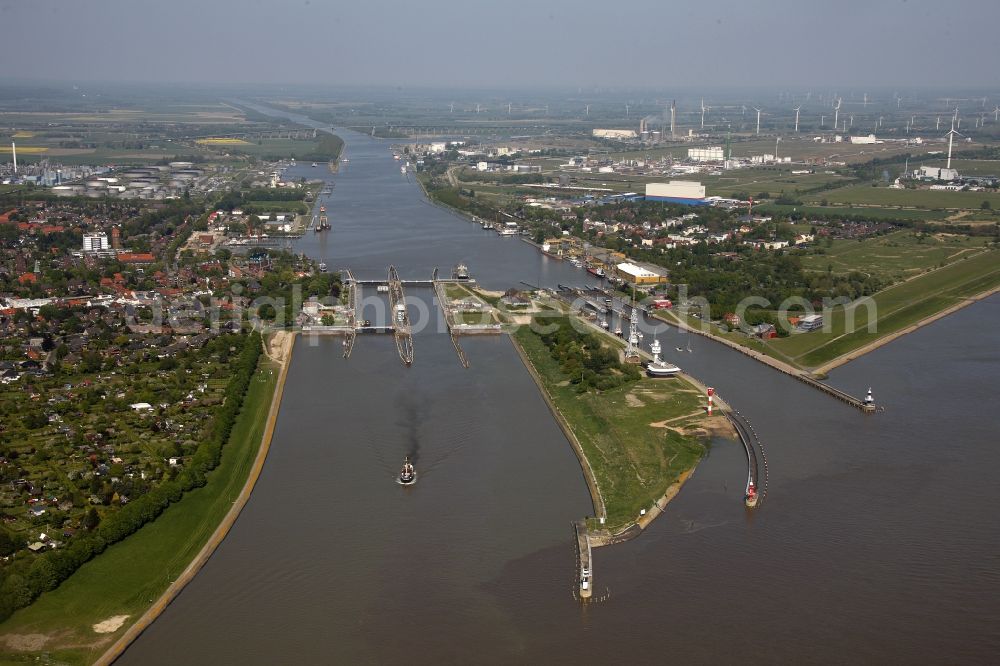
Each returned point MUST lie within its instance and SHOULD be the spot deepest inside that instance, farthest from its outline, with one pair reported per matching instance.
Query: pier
(755, 454)
(585, 570)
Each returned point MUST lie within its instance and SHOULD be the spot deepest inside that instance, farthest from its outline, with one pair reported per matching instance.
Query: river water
(877, 541)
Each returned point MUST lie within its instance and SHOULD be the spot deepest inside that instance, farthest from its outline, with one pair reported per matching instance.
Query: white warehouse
(707, 154)
(688, 192)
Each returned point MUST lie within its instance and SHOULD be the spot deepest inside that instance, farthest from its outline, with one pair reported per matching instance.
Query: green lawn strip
(897, 307)
(633, 462)
(130, 575)
(894, 256)
(884, 196)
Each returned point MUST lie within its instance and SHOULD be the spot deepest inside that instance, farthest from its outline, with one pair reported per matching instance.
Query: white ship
(658, 367)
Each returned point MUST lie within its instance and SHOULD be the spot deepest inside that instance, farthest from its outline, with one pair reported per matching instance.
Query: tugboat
(752, 497)
(657, 367)
(596, 271)
(407, 475)
(461, 272)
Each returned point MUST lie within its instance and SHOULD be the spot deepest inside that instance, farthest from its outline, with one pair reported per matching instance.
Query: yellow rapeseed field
(25, 150)
(222, 142)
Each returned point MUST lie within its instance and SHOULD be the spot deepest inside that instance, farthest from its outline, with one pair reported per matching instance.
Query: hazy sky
(508, 43)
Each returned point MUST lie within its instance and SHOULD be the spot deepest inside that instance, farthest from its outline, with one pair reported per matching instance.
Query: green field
(633, 462)
(883, 196)
(897, 307)
(895, 256)
(866, 212)
(130, 575)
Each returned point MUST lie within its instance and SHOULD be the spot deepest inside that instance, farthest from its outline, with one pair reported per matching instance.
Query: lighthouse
(711, 392)
(869, 400)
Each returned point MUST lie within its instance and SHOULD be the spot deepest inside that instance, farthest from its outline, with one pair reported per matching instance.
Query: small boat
(618, 331)
(314, 164)
(322, 267)
(751, 497)
(322, 209)
(461, 272)
(604, 325)
(658, 367)
(407, 475)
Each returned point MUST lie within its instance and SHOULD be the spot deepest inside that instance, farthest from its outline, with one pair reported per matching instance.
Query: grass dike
(637, 443)
(107, 603)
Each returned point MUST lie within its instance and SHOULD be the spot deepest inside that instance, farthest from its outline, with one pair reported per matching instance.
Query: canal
(877, 540)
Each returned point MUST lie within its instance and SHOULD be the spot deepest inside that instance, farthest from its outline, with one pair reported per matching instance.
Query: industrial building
(864, 139)
(96, 242)
(614, 134)
(708, 154)
(638, 275)
(937, 173)
(687, 192)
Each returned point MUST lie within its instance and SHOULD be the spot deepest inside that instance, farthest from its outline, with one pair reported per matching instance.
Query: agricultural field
(884, 196)
(867, 212)
(895, 256)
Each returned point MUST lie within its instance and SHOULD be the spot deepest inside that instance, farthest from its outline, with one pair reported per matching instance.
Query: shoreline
(875, 344)
(588, 473)
(627, 531)
(285, 347)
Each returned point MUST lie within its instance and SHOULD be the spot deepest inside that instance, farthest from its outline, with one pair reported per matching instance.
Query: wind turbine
(822, 121)
(836, 113)
(452, 108)
(626, 110)
(797, 109)
(951, 136)
(758, 119)
(996, 113)
(703, 107)
(508, 108)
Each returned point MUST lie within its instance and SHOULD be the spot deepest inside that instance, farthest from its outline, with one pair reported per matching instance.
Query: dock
(585, 569)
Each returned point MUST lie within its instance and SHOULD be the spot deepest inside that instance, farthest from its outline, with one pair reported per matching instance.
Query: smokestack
(13, 151)
(673, 119)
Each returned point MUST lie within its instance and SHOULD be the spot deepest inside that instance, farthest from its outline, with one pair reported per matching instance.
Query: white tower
(13, 152)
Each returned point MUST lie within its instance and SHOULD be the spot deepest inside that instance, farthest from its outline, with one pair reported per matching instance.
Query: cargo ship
(407, 475)
(599, 272)
(658, 367)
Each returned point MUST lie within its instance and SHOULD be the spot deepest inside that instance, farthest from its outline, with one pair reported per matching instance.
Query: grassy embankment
(129, 576)
(897, 307)
(634, 462)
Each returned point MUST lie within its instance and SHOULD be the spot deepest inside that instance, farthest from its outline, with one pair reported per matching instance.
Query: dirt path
(281, 348)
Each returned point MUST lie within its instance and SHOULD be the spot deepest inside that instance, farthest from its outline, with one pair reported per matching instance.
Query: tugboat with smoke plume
(407, 475)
